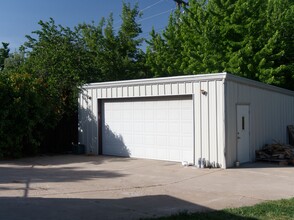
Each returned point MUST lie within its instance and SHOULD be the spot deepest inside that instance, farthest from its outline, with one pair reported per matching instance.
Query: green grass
(281, 209)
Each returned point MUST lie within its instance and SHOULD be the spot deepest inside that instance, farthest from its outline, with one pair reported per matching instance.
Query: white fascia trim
(175, 79)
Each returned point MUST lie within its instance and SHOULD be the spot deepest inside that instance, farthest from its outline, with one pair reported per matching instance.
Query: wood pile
(291, 134)
(281, 153)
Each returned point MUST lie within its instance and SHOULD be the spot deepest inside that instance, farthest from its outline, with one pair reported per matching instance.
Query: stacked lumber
(291, 134)
(277, 152)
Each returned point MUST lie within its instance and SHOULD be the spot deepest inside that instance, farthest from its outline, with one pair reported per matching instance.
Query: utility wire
(144, 9)
(150, 6)
(150, 17)
(156, 15)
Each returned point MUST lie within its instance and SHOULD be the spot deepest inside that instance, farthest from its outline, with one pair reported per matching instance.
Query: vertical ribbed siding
(270, 113)
(213, 126)
(94, 137)
(209, 121)
(231, 123)
(221, 131)
(88, 129)
(205, 120)
(208, 113)
(83, 122)
(197, 122)
(271, 110)
(161, 89)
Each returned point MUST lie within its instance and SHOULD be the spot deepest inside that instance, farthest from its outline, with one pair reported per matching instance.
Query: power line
(150, 6)
(144, 9)
(150, 17)
(156, 15)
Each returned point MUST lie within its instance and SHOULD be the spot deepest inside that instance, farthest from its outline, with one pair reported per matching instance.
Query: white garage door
(154, 128)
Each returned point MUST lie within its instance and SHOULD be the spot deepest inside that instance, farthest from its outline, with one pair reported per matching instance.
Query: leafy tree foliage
(4, 53)
(57, 56)
(23, 114)
(40, 83)
(164, 55)
(14, 62)
(249, 38)
(116, 56)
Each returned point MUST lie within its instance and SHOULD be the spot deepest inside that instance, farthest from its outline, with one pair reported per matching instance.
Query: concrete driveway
(84, 187)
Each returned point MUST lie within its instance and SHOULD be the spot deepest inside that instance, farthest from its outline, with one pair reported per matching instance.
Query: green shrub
(26, 110)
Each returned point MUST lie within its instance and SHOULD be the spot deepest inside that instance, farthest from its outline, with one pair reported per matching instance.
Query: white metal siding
(209, 121)
(88, 127)
(270, 112)
(208, 108)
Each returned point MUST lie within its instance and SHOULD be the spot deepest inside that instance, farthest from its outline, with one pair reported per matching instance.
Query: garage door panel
(138, 140)
(148, 127)
(186, 104)
(175, 115)
(161, 116)
(174, 142)
(186, 128)
(162, 105)
(186, 114)
(186, 154)
(138, 128)
(149, 114)
(175, 155)
(128, 139)
(149, 153)
(162, 141)
(137, 116)
(174, 128)
(155, 128)
(186, 142)
(149, 140)
(162, 154)
(161, 127)
(126, 116)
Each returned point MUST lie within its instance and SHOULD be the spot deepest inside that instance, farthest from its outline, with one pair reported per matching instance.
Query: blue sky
(20, 17)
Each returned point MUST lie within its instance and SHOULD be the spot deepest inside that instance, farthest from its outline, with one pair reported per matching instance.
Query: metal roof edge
(173, 79)
(250, 82)
(190, 78)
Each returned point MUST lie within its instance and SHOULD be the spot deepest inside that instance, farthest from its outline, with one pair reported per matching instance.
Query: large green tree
(250, 38)
(257, 37)
(115, 51)
(164, 55)
(40, 83)
(24, 114)
(57, 56)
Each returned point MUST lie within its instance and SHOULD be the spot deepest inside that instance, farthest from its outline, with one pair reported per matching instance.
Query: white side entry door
(243, 130)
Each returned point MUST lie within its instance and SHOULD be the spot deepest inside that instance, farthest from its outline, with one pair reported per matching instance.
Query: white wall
(209, 121)
(88, 123)
(271, 110)
(208, 108)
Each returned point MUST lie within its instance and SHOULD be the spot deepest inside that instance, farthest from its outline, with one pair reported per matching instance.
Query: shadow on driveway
(88, 209)
(67, 159)
(124, 188)
(20, 175)
(59, 174)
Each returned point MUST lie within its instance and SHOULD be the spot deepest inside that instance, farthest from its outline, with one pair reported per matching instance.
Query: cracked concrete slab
(89, 187)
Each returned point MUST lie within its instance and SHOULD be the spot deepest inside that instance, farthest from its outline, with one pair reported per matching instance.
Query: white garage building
(220, 117)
